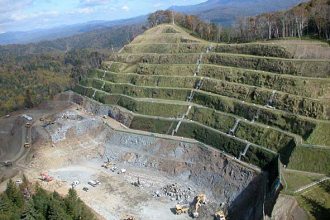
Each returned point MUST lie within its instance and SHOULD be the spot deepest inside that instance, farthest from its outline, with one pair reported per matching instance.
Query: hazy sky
(20, 15)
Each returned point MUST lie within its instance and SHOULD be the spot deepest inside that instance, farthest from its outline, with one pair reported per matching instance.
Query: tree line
(309, 19)
(28, 202)
(306, 19)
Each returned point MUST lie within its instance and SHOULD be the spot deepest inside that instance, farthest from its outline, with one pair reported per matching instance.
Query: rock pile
(176, 192)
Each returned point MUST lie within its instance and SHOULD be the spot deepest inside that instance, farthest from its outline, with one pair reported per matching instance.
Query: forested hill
(32, 73)
(225, 12)
(105, 38)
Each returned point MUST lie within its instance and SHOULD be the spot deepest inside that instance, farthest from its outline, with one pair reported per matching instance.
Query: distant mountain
(23, 37)
(100, 39)
(225, 12)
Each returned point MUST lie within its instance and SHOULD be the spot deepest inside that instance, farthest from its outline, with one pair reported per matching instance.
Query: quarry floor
(115, 197)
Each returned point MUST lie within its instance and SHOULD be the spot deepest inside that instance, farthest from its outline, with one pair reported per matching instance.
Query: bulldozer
(180, 209)
(220, 215)
(199, 200)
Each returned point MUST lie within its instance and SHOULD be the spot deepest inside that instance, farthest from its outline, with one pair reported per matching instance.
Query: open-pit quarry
(148, 174)
(170, 117)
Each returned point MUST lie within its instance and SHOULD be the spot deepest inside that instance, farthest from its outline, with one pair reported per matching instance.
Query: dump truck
(220, 215)
(180, 209)
(198, 201)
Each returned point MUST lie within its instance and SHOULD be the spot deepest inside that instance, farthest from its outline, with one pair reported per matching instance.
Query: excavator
(108, 164)
(199, 200)
(220, 215)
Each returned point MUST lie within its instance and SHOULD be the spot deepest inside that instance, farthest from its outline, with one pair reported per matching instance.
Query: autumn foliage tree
(310, 19)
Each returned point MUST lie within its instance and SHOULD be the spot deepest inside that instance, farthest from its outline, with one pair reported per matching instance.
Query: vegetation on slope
(313, 88)
(316, 201)
(311, 159)
(294, 180)
(33, 202)
(320, 134)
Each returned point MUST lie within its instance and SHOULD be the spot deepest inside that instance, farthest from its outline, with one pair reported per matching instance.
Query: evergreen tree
(41, 200)
(42, 205)
(14, 194)
(57, 197)
(56, 212)
(5, 204)
(71, 203)
(7, 208)
(76, 208)
(30, 213)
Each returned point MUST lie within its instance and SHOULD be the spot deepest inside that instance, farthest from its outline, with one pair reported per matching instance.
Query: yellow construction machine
(180, 209)
(107, 165)
(220, 215)
(199, 200)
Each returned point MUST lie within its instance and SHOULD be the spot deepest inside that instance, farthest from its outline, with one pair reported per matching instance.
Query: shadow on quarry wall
(248, 205)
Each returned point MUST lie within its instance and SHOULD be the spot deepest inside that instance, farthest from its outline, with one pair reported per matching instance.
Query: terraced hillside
(256, 102)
